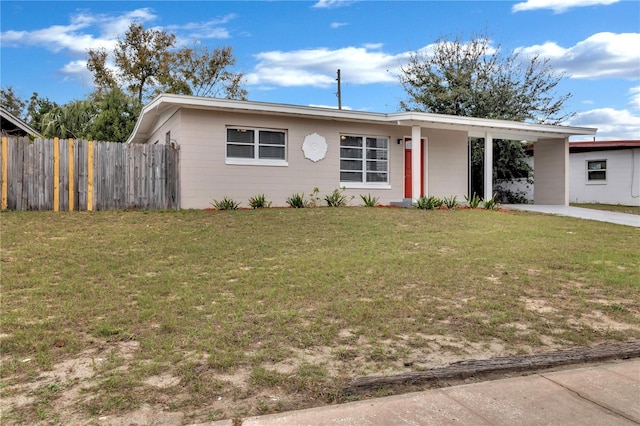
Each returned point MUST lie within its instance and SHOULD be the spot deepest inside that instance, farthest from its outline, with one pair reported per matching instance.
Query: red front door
(408, 173)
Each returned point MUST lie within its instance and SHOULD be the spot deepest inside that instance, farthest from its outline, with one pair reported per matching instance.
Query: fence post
(90, 176)
(5, 173)
(56, 174)
(71, 175)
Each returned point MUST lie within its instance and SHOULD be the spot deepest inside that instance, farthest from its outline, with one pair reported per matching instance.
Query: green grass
(610, 207)
(243, 304)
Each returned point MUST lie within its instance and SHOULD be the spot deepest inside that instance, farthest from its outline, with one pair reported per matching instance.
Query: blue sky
(289, 51)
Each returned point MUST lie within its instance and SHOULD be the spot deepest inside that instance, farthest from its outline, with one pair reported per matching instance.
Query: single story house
(13, 126)
(240, 149)
(606, 172)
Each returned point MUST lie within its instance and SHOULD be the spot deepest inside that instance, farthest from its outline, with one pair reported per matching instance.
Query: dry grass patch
(198, 316)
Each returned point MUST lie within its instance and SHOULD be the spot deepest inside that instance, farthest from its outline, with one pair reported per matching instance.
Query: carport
(551, 153)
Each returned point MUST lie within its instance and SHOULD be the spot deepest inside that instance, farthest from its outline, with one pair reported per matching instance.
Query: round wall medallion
(314, 147)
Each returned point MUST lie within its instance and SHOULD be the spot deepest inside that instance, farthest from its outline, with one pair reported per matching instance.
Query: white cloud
(329, 4)
(558, 6)
(602, 55)
(92, 31)
(211, 29)
(612, 124)
(634, 103)
(77, 70)
(317, 67)
(335, 25)
(331, 107)
(76, 37)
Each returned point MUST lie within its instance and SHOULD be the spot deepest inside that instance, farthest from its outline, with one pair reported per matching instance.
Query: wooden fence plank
(90, 176)
(5, 172)
(56, 174)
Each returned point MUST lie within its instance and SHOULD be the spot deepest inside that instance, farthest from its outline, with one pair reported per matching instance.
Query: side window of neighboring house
(596, 171)
(167, 138)
(364, 160)
(256, 146)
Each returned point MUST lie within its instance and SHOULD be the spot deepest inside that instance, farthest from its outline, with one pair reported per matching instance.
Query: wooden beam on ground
(471, 368)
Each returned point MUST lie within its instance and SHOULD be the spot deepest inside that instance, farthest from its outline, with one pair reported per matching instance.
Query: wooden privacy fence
(66, 174)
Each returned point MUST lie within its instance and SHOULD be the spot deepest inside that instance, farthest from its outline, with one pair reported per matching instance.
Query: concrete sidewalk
(582, 213)
(603, 394)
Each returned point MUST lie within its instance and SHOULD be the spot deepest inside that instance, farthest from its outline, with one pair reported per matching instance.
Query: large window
(364, 160)
(256, 145)
(597, 171)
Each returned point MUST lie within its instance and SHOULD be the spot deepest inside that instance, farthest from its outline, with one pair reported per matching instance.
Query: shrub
(225, 204)
(511, 197)
(491, 203)
(297, 201)
(474, 201)
(314, 198)
(451, 203)
(259, 202)
(369, 200)
(428, 203)
(337, 198)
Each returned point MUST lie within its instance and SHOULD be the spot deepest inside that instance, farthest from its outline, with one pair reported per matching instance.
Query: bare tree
(147, 63)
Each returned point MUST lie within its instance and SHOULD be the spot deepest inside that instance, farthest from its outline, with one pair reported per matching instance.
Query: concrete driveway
(579, 212)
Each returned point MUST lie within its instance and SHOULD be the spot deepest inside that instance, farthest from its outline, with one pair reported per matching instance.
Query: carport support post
(416, 154)
(551, 172)
(488, 166)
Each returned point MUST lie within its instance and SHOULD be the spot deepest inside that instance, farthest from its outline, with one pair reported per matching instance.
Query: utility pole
(339, 94)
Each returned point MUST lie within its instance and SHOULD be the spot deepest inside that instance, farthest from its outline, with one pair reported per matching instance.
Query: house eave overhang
(18, 122)
(153, 114)
(498, 129)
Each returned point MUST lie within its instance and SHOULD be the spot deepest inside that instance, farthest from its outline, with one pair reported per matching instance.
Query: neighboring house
(240, 149)
(605, 172)
(13, 126)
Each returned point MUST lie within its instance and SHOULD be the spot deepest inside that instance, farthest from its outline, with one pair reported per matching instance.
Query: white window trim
(596, 181)
(256, 161)
(359, 185)
(368, 185)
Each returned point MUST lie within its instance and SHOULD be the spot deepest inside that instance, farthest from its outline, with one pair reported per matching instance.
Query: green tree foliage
(199, 71)
(115, 116)
(11, 101)
(31, 111)
(37, 108)
(72, 120)
(474, 79)
(147, 63)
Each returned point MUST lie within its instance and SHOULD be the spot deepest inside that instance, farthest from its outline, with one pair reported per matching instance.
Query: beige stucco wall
(447, 166)
(205, 176)
(551, 172)
(170, 123)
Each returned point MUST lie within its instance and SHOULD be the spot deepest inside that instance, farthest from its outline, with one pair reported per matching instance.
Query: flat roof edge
(400, 118)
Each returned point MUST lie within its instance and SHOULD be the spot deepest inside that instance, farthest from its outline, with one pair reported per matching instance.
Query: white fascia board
(18, 122)
(476, 127)
(153, 110)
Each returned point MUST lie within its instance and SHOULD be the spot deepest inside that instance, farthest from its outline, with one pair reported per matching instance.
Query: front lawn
(200, 316)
